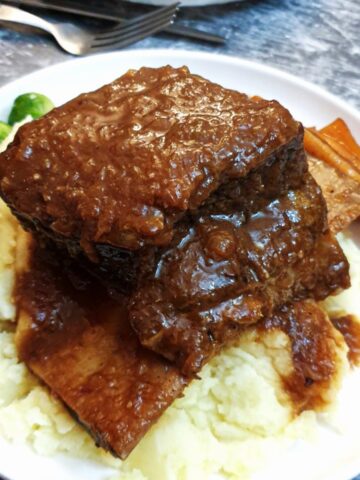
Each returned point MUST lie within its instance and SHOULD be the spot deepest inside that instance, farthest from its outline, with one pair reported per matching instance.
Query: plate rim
(198, 54)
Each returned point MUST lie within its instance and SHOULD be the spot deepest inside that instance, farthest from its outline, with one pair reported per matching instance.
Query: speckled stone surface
(318, 40)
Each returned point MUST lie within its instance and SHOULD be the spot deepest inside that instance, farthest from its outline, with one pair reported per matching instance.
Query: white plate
(334, 456)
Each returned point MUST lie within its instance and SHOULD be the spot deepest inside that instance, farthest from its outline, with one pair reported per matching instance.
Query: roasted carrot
(339, 131)
(343, 150)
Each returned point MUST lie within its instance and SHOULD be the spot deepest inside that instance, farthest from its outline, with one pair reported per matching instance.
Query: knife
(101, 14)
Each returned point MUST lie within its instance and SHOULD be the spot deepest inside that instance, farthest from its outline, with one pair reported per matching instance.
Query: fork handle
(15, 15)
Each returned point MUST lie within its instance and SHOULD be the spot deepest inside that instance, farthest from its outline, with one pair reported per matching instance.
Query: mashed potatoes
(229, 422)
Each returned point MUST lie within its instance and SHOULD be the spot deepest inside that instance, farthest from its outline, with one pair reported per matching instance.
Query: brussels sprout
(5, 129)
(34, 104)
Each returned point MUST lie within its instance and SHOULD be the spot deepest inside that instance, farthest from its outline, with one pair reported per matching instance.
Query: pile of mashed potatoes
(229, 422)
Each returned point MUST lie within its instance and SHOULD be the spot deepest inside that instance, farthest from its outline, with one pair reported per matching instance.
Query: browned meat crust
(78, 340)
(120, 165)
(227, 271)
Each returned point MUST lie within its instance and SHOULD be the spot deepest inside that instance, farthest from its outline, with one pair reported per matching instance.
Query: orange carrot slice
(339, 131)
(343, 150)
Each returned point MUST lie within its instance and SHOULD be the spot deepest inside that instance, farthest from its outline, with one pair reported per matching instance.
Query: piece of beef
(111, 172)
(228, 269)
(78, 340)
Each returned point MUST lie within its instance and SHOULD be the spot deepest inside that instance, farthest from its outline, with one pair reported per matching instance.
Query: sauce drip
(349, 326)
(314, 353)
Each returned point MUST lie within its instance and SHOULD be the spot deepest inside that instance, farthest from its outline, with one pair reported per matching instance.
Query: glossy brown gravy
(168, 137)
(349, 326)
(76, 337)
(314, 352)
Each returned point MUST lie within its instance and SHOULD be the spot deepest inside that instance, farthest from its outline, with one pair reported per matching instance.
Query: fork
(104, 11)
(79, 41)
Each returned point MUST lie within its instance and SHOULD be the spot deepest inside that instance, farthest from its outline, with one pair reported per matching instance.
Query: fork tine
(103, 39)
(133, 31)
(153, 15)
(139, 22)
(164, 20)
(132, 37)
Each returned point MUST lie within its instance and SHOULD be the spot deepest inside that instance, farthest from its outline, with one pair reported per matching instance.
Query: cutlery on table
(79, 41)
(102, 12)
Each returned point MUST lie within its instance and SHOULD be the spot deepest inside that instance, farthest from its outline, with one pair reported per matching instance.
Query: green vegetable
(34, 104)
(5, 129)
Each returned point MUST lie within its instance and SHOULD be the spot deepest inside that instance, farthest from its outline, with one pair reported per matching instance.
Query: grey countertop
(318, 40)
